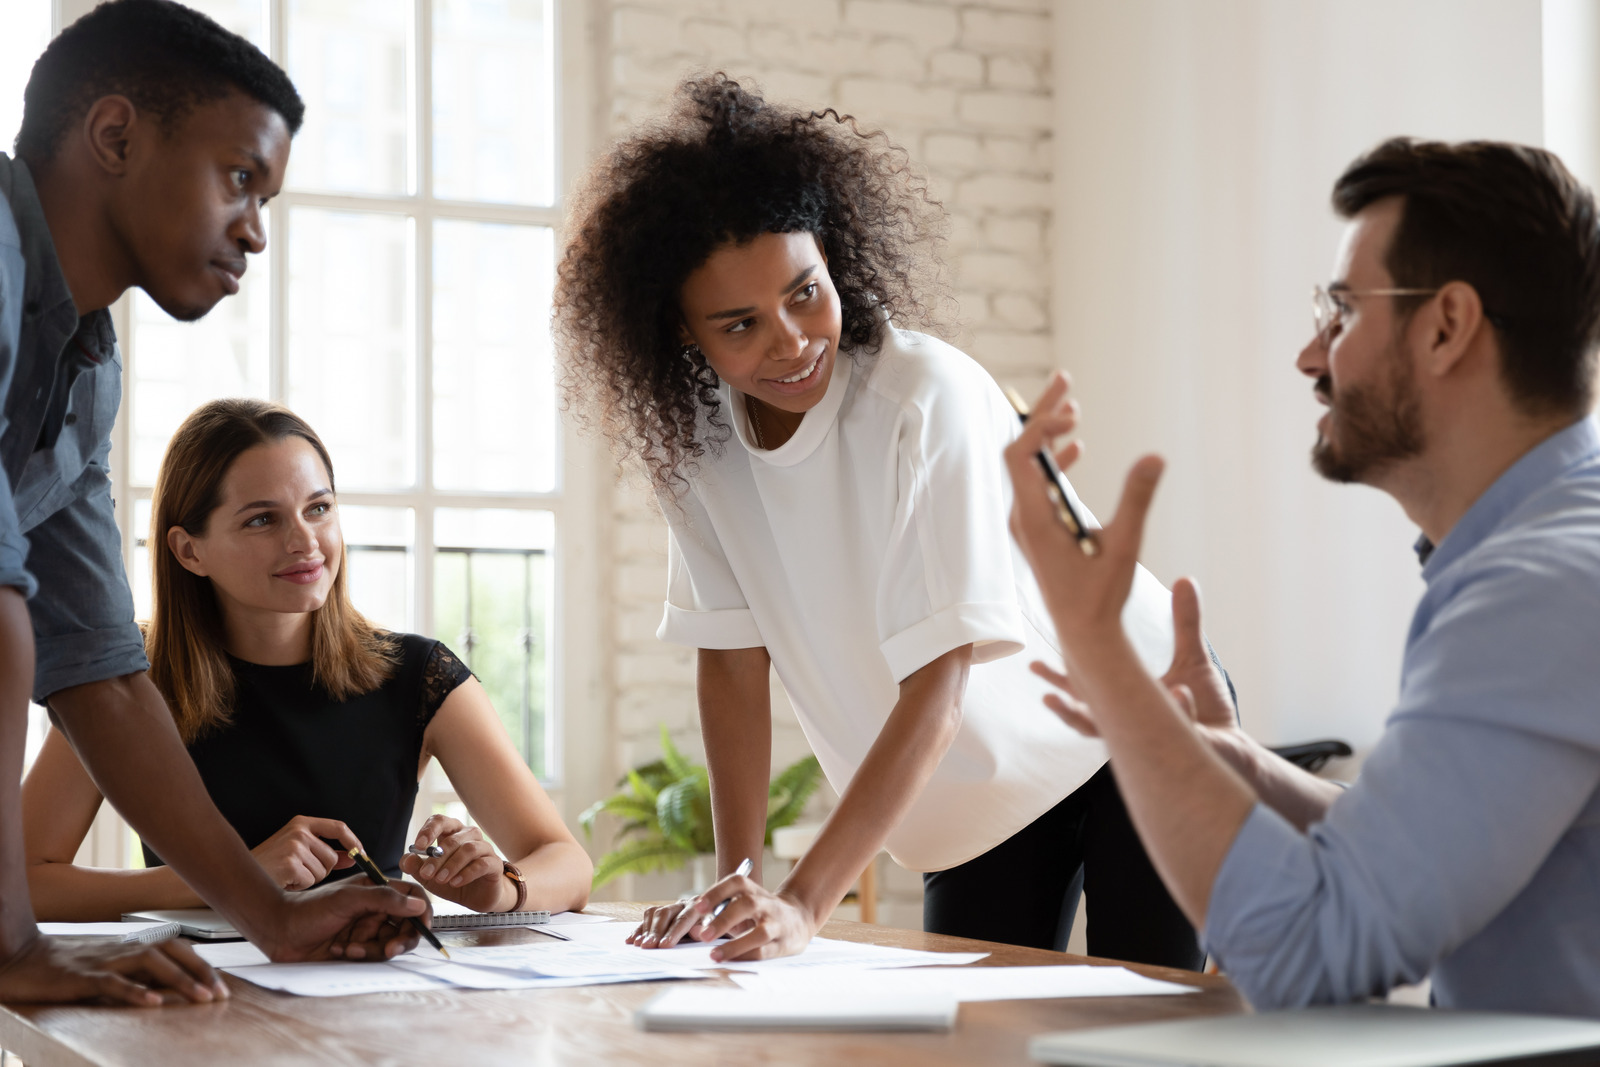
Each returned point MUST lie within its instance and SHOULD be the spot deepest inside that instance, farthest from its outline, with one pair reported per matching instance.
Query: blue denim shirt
(60, 386)
(1469, 848)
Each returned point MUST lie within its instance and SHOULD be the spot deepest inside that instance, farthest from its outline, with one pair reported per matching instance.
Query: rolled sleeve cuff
(13, 564)
(729, 628)
(993, 630)
(87, 656)
(1255, 922)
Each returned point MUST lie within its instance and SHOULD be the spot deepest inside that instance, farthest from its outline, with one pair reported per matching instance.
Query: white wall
(1196, 147)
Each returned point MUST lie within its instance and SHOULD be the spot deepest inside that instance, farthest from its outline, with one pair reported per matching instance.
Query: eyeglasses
(1328, 308)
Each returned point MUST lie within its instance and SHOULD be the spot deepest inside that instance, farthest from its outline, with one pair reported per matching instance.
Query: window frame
(572, 653)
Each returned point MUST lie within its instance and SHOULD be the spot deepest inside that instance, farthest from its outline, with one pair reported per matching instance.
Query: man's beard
(1376, 426)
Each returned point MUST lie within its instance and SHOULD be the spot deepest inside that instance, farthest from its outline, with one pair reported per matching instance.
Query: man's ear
(1450, 323)
(107, 129)
(183, 545)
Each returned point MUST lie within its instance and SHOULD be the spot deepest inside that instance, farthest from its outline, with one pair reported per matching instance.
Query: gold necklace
(752, 408)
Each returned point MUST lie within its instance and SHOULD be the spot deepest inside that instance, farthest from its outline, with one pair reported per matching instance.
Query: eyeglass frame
(1322, 296)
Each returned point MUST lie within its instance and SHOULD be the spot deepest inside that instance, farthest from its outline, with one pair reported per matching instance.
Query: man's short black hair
(164, 57)
(1513, 223)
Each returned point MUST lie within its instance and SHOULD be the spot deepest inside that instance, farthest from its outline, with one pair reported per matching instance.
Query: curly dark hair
(726, 166)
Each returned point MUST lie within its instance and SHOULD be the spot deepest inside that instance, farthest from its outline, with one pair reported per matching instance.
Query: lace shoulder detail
(440, 676)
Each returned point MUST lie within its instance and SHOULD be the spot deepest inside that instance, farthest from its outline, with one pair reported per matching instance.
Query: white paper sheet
(821, 953)
(576, 918)
(968, 983)
(565, 959)
(425, 969)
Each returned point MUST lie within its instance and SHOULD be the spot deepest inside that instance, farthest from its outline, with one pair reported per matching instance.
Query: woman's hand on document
(762, 924)
(58, 969)
(470, 872)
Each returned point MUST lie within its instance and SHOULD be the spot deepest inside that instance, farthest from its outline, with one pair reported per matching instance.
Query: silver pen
(431, 850)
(743, 871)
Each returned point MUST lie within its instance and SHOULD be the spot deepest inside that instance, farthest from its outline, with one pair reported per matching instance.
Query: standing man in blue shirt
(1455, 352)
(151, 139)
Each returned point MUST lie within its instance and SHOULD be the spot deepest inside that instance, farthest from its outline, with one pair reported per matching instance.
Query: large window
(402, 308)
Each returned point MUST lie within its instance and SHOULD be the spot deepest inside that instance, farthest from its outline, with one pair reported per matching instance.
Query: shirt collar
(45, 291)
(45, 294)
(1543, 464)
(813, 427)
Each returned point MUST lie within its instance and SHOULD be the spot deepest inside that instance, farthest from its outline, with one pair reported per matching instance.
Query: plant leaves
(678, 767)
(623, 805)
(642, 789)
(684, 812)
(640, 857)
(655, 773)
(790, 791)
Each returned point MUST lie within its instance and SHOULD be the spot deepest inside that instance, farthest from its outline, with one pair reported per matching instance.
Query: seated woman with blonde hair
(308, 724)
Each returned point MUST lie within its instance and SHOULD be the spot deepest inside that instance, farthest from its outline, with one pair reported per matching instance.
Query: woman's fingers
(657, 921)
(740, 909)
(757, 943)
(332, 829)
(693, 911)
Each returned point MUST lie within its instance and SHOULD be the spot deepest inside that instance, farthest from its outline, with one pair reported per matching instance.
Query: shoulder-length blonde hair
(185, 636)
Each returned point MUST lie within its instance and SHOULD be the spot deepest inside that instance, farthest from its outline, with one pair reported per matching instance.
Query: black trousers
(1025, 890)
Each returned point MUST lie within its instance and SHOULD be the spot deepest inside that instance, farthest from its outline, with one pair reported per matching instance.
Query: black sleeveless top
(291, 749)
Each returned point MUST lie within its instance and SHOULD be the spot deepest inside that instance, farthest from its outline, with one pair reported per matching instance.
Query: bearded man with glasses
(1455, 353)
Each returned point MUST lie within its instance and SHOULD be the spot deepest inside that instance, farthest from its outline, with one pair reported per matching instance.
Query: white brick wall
(965, 87)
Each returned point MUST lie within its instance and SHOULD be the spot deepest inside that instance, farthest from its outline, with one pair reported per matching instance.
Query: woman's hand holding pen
(299, 856)
(469, 871)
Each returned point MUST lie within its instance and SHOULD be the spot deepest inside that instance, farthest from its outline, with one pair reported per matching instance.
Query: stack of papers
(821, 954)
(879, 984)
(538, 966)
(589, 954)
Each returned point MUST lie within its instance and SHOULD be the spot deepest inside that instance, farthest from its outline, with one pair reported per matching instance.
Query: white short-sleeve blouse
(870, 543)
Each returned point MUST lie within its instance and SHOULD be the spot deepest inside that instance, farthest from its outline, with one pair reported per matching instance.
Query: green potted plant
(665, 808)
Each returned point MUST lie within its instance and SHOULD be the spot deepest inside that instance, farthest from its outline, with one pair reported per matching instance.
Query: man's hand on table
(57, 969)
(348, 921)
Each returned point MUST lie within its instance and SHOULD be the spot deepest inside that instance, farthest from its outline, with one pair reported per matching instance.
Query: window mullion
(422, 102)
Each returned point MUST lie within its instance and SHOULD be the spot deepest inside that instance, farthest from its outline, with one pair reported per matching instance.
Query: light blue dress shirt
(60, 386)
(1469, 848)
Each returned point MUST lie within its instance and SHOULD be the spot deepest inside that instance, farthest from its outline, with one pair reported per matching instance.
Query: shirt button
(71, 418)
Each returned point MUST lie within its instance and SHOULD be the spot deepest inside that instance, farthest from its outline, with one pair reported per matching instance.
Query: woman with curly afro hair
(735, 308)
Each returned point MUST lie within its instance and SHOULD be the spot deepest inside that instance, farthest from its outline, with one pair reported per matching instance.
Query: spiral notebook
(448, 915)
(148, 932)
(204, 924)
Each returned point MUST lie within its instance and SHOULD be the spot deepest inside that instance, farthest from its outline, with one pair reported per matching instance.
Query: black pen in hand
(1059, 496)
(370, 869)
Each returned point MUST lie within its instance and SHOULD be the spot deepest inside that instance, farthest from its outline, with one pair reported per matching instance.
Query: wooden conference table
(585, 1025)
